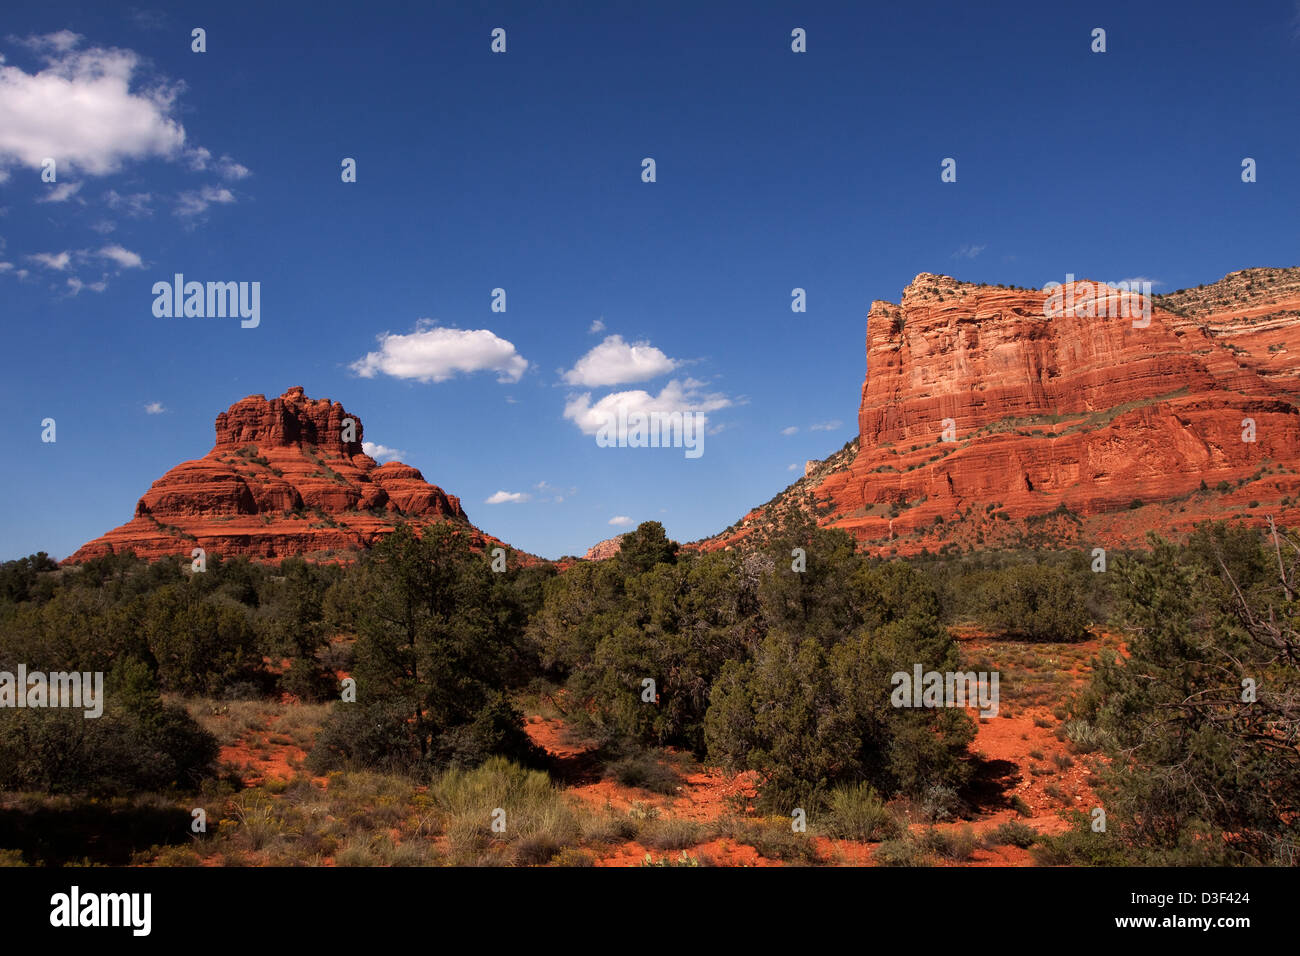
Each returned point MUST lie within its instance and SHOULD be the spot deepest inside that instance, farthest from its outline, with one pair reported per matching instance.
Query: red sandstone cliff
(281, 481)
(1065, 429)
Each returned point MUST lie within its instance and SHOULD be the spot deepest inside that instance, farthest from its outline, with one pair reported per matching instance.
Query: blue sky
(522, 171)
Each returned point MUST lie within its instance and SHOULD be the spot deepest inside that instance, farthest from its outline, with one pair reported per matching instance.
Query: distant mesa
(1068, 431)
(286, 477)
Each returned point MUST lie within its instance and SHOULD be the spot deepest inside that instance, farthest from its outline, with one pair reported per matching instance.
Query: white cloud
(504, 497)
(60, 42)
(674, 397)
(52, 260)
(597, 326)
(103, 226)
(154, 408)
(227, 168)
(615, 362)
(192, 202)
(123, 257)
(826, 426)
(620, 521)
(80, 109)
(61, 192)
(968, 252)
(200, 160)
(76, 285)
(793, 429)
(135, 205)
(436, 354)
(792, 467)
(6, 266)
(381, 452)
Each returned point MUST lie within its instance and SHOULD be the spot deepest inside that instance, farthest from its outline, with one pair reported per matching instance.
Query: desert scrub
(772, 838)
(901, 852)
(1013, 833)
(230, 720)
(858, 813)
(956, 845)
(671, 833)
(1083, 737)
(609, 829)
(533, 821)
(940, 803)
(645, 771)
(682, 860)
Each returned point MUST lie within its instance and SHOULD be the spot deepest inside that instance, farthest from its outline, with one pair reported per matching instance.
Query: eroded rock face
(1066, 429)
(604, 549)
(281, 481)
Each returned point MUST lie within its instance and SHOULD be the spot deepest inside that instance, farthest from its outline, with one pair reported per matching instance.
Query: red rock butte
(1070, 429)
(281, 481)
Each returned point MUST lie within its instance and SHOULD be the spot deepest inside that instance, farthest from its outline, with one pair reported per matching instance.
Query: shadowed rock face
(1067, 429)
(281, 481)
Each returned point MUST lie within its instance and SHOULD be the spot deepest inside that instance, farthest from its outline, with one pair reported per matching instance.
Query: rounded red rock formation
(281, 481)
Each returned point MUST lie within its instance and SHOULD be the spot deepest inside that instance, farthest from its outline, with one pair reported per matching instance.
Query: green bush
(1014, 833)
(900, 852)
(858, 813)
(645, 771)
(1038, 602)
(1205, 621)
(138, 743)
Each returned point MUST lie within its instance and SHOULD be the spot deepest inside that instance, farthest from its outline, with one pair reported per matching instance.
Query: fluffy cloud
(674, 397)
(615, 362)
(200, 160)
(436, 354)
(597, 326)
(154, 408)
(381, 452)
(192, 202)
(52, 260)
(620, 521)
(506, 497)
(80, 109)
(123, 257)
(792, 430)
(76, 285)
(826, 426)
